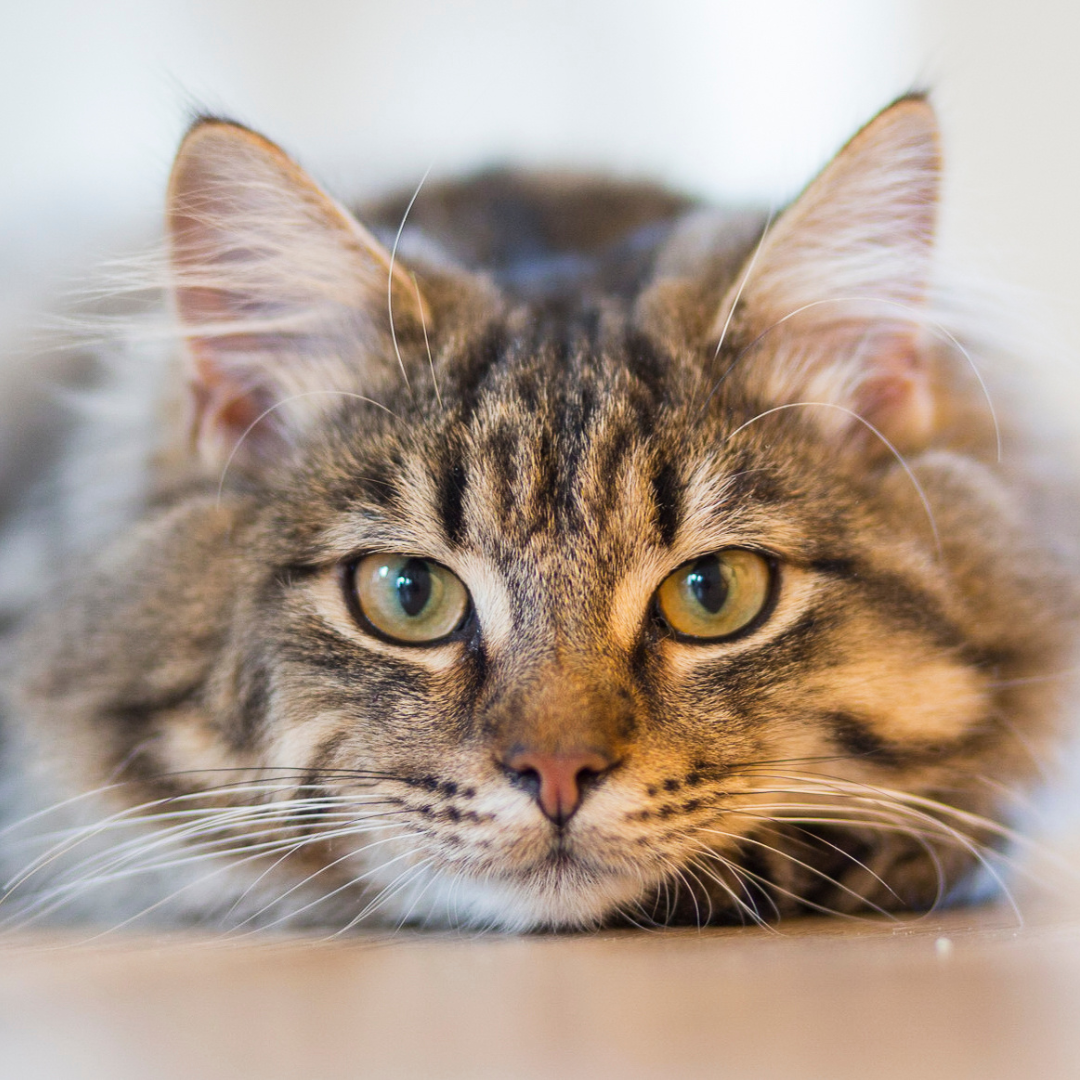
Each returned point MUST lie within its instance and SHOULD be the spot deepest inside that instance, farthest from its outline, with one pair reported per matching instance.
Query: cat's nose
(557, 780)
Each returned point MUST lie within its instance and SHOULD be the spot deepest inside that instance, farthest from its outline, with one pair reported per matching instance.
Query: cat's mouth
(561, 860)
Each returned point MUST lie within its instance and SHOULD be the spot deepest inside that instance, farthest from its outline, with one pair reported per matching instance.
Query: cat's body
(750, 619)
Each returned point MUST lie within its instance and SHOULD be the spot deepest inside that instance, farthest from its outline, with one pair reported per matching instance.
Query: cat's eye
(407, 599)
(717, 596)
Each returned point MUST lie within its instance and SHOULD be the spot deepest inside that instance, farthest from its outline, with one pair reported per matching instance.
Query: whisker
(919, 490)
(50, 900)
(280, 404)
(742, 283)
(427, 343)
(129, 819)
(329, 895)
(188, 824)
(390, 276)
(239, 843)
(416, 900)
(386, 893)
(892, 797)
(798, 862)
(918, 809)
(744, 907)
(920, 318)
(766, 885)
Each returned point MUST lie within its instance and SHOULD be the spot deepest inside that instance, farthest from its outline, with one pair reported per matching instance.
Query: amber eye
(408, 599)
(718, 595)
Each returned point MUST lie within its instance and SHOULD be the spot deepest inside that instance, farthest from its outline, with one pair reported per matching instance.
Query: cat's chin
(562, 899)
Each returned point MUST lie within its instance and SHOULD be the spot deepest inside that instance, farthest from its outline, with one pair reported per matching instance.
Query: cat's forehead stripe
(548, 439)
(451, 496)
(667, 496)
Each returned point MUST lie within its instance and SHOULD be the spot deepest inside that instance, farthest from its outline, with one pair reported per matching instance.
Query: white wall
(1008, 86)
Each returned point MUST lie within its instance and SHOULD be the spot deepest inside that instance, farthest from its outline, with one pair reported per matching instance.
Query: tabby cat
(548, 552)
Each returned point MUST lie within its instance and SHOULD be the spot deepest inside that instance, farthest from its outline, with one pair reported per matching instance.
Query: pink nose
(556, 780)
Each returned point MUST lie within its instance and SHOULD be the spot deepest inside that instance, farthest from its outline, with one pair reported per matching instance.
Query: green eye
(716, 596)
(408, 599)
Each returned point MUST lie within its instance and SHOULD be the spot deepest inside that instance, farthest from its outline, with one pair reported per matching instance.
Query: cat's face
(573, 617)
(562, 500)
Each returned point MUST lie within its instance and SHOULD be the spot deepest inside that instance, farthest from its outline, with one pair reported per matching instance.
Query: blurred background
(738, 101)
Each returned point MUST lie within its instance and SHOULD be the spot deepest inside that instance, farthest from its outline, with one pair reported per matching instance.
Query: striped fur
(561, 391)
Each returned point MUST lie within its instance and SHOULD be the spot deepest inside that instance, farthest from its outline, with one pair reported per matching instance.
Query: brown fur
(617, 383)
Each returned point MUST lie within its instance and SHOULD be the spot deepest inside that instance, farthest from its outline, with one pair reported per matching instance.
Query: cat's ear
(831, 305)
(282, 296)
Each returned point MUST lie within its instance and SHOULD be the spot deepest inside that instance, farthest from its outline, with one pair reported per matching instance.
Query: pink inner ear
(895, 394)
(224, 410)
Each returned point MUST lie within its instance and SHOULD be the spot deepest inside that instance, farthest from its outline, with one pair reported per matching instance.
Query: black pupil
(414, 586)
(707, 584)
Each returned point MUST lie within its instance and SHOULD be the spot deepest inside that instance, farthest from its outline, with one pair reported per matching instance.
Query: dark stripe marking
(666, 498)
(854, 736)
(454, 482)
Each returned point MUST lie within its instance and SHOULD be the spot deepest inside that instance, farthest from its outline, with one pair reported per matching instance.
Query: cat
(544, 553)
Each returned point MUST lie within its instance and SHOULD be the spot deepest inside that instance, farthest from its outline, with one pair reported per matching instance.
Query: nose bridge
(564, 711)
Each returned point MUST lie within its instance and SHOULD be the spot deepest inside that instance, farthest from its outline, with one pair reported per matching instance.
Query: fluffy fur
(562, 390)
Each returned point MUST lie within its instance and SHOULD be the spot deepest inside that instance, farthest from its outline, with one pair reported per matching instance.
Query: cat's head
(707, 598)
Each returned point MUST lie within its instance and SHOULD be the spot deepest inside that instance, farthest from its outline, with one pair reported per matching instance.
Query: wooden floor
(964, 994)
